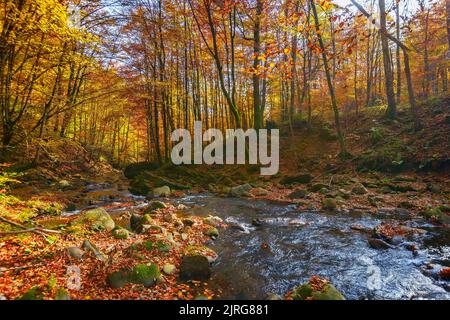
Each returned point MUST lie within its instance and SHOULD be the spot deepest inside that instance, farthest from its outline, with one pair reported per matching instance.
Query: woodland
(92, 206)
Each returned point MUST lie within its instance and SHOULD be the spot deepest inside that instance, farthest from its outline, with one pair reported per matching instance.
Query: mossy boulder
(212, 221)
(118, 279)
(35, 293)
(195, 267)
(211, 232)
(139, 186)
(307, 292)
(96, 220)
(154, 205)
(147, 275)
(120, 233)
(169, 269)
(241, 191)
(199, 250)
(298, 194)
(134, 169)
(437, 215)
(163, 191)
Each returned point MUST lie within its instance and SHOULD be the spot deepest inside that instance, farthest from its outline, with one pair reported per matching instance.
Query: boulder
(90, 247)
(161, 191)
(118, 279)
(96, 219)
(259, 192)
(195, 267)
(240, 191)
(314, 290)
(212, 232)
(75, 252)
(298, 194)
(120, 233)
(146, 275)
(213, 221)
(169, 269)
(379, 244)
(154, 205)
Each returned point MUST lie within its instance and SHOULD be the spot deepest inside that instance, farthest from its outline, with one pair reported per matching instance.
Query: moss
(35, 293)
(146, 275)
(120, 233)
(163, 247)
(306, 292)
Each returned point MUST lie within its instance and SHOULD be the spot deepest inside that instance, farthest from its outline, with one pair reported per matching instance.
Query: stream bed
(291, 246)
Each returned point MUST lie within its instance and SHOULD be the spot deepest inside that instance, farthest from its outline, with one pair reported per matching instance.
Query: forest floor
(393, 169)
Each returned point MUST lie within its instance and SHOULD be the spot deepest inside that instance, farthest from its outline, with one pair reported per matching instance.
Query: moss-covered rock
(317, 187)
(212, 232)
(118, 279)
(163, 191)
(35, 293)
(120, 233)
(146, 275)
(195, 267)
(96, 220)
(302, 179)
(309, 292)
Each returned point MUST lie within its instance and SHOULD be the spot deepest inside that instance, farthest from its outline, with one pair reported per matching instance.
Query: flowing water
(292, 246)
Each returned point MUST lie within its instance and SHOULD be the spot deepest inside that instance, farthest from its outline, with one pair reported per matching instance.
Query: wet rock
(135, 223)
(378, 244)
(360, 228)
(199, 250)
(154, 205)
(257, 222)
(195, 267)
(161, 191)
(120, 233)
(359, 189)
(298, 194)
(212, 232)
(75, 252)
(96, 219)
(213, 221)
(241, 191)
(236, 226)
(169, 269)
(316, 290)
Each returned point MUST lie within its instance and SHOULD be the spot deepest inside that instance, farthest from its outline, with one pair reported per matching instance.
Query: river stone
(212, 232)
(212, 221)
(154, 205)
(97, 220)
(118, 279)
(169, 269)
(240, 191)
(120, 233)
(90, 247)
(378, 244)
(188, 222)
(306, 292)
(161, 191)
(75, 252)
(273, 296)
(195, 267)
(298, 194)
